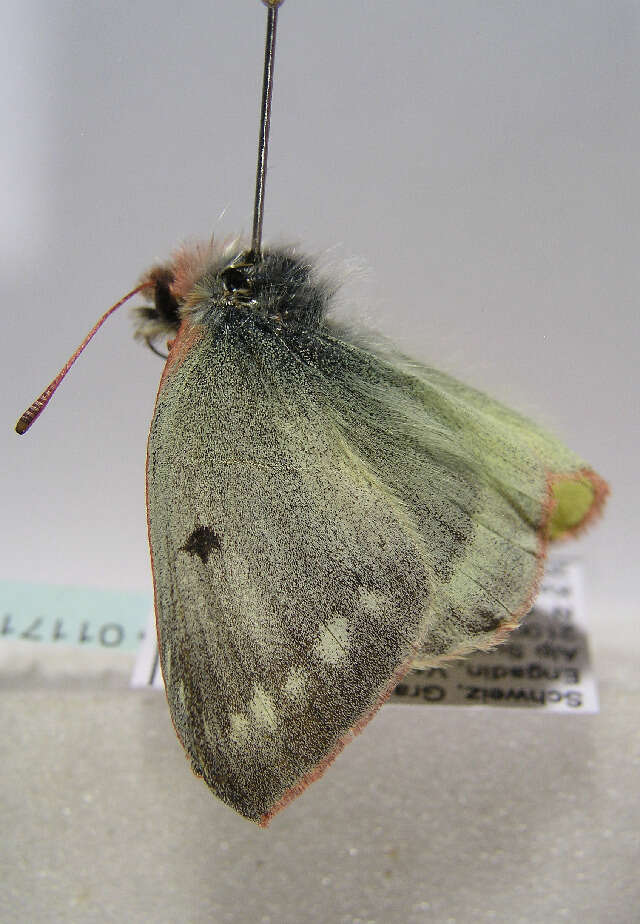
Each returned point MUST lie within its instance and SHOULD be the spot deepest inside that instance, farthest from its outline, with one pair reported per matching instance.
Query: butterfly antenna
(265, 120)
(38, 406)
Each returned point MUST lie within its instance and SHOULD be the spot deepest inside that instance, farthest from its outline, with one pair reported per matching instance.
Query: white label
(146, 670)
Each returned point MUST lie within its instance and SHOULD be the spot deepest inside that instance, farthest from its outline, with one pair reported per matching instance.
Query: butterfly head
(227, 282)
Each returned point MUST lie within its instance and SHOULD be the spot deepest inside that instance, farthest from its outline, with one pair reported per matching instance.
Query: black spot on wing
(202, 541)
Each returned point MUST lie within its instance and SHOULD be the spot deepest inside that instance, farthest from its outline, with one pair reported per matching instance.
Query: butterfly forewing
(291, 587)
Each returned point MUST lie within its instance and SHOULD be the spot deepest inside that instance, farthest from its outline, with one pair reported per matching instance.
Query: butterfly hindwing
(485, 487)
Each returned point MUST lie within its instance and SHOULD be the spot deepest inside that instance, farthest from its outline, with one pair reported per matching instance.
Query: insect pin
(324, 514)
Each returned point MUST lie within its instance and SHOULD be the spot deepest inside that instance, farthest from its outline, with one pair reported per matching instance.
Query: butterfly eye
(235, 279)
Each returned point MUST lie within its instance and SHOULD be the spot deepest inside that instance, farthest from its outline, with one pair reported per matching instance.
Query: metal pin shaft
(265, 120)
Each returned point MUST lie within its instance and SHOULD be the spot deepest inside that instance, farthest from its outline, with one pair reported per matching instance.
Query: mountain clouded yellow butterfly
(324, 513)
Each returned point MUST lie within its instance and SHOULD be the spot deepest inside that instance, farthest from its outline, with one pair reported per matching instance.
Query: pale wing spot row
(332, 644)
(240, 727)
(370, 600)
(263, 708)
(296, 682)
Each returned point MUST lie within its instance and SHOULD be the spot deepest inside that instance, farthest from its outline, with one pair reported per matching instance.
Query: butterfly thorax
(225, 282)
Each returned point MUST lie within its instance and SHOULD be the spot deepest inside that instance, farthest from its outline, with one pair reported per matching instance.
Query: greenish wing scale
(322, 516)
(486, 488)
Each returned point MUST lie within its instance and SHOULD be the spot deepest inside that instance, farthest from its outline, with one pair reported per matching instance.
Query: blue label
(82, 616)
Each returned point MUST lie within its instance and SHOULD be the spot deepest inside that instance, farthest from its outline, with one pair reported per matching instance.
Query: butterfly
(324, 515)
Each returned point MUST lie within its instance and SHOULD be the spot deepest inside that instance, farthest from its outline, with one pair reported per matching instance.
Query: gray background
(478, 163)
